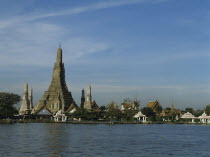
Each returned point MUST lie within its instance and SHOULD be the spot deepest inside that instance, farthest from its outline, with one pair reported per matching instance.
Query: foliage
(112, 110)
(189, 110)
(207, 109)
(168, 109)
(159, 109)
(136, 102)
(81, 113)
(103, 108)
(7, 102)
(148, 112)
(128, 114)
(158, 118)
(197, 113)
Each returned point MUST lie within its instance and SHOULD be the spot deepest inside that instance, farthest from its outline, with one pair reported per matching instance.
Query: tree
(207, 109)
(103, 108)
(159, 109)
(148, 112)
(128, 114)
(81, 113)
(189, 110)
(7, 102)
(112, 111)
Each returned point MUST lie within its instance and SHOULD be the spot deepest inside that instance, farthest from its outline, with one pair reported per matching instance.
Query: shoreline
(95, 122)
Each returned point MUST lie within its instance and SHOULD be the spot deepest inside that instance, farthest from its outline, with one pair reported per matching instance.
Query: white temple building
(27, 101)
(60, 117)
(140, 117)
(88, 102)
(204, 118)
(188, 115)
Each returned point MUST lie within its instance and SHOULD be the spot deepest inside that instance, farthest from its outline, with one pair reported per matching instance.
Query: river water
(101, 140)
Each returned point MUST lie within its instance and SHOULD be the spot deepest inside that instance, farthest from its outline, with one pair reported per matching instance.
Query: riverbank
(9, 121)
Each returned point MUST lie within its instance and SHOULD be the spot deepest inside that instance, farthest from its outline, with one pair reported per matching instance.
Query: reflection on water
(60, 140)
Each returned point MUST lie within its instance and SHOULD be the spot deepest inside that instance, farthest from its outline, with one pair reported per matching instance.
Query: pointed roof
(59, 55)
(57, 92)
(72, 106)
(152, 104)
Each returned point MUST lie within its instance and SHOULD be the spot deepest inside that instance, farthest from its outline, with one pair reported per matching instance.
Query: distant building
(57, 97)
(30, 97)
(154, 105)
(95, 107)
(72, 108)
(170, 111)
(27, 101)
(188, 115)
(140, 117)
(204, 118)
(89, 104)
(60, 117)
(128, 106)
(82, 99)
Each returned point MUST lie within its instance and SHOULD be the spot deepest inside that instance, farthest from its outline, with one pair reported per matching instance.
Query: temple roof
(152, 104)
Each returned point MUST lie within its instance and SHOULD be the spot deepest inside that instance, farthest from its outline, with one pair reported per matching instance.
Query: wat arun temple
(57, 97)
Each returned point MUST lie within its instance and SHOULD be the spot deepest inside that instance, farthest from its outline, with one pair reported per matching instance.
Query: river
(101, 140)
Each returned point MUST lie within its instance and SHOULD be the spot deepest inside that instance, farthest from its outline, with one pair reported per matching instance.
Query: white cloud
(36, 44)
(73, 11)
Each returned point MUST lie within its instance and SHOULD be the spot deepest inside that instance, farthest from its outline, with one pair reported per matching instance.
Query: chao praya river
(101, 140)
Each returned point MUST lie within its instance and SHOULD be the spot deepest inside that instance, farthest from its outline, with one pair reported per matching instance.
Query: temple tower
(25, 106)
(57, 97)
(30, 97)
(88, 101)
(82, 99)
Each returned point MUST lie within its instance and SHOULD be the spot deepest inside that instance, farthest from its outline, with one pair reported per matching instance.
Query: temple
(82, 99)
(88, 102)
(27, 101)
(57, 97)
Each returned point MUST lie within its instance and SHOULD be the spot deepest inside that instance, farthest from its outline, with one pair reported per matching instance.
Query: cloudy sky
(145, 49)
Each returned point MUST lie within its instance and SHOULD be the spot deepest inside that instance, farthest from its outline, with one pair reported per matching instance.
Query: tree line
(109, 112)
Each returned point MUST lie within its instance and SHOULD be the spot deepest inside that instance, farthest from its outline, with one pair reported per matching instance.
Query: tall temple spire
(83, 98)
(89, 96)
(57, 97)
(88, 101)
(59, 55)
(26, 88)
(31, 98)
(25, 106)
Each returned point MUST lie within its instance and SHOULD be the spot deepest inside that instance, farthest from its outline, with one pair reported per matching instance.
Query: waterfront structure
(140, 117)
(27, 101)
(88, 102)
(82, 99)
(57, 97)
(188, 115)
(204, 118)
(60, 117)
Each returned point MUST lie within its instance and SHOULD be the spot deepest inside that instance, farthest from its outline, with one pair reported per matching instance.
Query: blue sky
(145, 49)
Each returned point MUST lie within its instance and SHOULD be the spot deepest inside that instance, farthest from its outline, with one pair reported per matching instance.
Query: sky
(137, 49)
